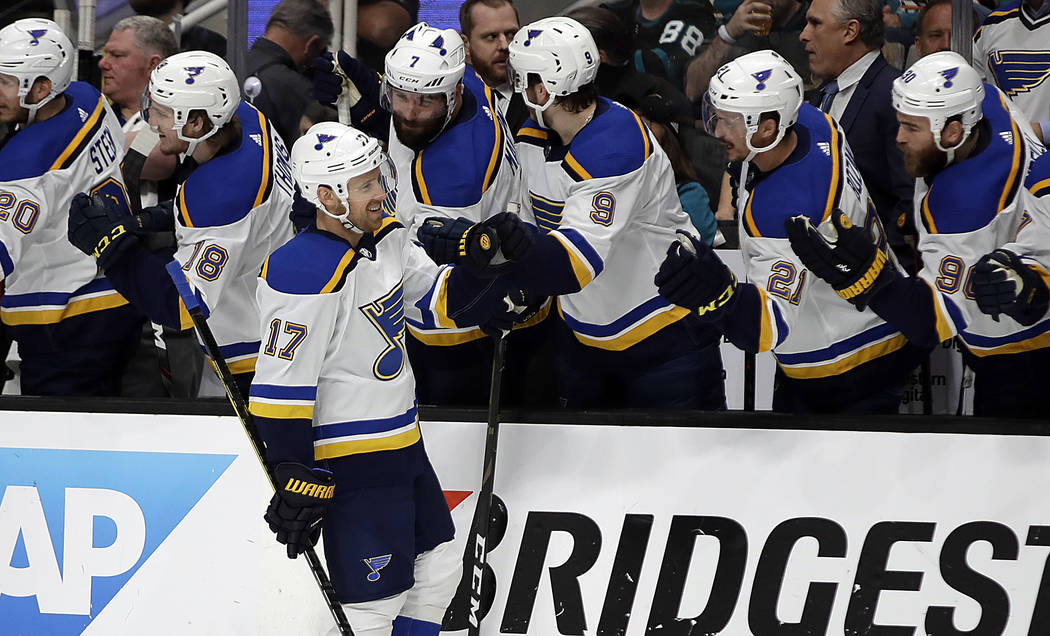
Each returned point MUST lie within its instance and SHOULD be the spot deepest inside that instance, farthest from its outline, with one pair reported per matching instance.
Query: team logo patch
(439, 44)
(36, 34)
(949, 74)
(531, 34)
(761, 78)
(322, 140)
(1019, 72)
(376, 564)
(193, 72)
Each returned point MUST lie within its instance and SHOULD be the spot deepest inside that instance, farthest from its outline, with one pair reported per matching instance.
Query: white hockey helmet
(331, 154)
(34, 48)
(427, 61)
(753, 84)
(560, 51)
(938, 87)
(194, 80)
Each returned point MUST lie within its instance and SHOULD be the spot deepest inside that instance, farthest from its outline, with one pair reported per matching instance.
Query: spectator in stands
(194, 38)
(1010, 50)
(780, 20)
(297, 32)
(487, 27)
(666, 34)
(136, 45)
(843, 39)
(934, 28)
(379, 25)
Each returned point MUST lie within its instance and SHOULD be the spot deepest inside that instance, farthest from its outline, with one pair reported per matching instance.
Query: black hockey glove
(518, 307)
(297, 508)
(156, 218)
(303, 213)
(100, 227)
(692, 276)
(1003, 284)
(853, 265)
(487, 248)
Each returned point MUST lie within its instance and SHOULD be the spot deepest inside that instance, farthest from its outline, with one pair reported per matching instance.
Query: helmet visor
(377, 186)
(711, 116)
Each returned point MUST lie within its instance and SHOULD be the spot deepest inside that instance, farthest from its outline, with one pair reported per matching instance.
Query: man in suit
(487, 27)
(843, 39)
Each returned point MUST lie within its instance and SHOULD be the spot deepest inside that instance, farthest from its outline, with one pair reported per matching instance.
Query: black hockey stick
(482, 522)
(240, 407)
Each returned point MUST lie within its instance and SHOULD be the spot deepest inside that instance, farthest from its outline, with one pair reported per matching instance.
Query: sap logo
(75, 526)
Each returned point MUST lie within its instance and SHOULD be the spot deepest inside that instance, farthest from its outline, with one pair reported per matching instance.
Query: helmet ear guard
(939, 87)
(331, 154)
(33, 48)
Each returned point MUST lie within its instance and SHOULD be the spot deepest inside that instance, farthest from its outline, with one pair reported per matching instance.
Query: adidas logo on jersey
(83, 115)
(825, 147)
(1007, 136)
(257, 139)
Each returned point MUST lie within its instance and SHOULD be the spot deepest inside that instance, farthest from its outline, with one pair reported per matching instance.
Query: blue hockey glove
(852, 264)
(1003, 284)
(297, 508)
(692, 276)
(518, 307)
(100, 227)
(303, 214)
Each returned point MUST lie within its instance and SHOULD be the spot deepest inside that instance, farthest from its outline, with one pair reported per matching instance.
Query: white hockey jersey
(42, 166)
(967, 210)
(812, 331)
(1011, 49)
(609, 199)
(232, 212)
(334, 354)
(471, 170)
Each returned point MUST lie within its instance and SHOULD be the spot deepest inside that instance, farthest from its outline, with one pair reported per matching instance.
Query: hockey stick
(240, 407)
(482, 522)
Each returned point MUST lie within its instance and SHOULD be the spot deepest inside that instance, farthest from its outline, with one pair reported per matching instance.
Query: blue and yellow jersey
(231, 213)
(812, 332)
(42, 167)
(609, 208)
(967, 210)
(332, 366)
(470, 170)
(1012, 50)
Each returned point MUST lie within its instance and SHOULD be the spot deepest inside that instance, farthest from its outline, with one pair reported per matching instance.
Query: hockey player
(334, 394)
(603, 193)
(450, 142)
(830, 357)
(74, 331)
(969, 154)
(230, 212)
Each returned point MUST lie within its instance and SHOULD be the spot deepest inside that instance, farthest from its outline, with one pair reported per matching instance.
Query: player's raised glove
(692, 276)
(303, 214)
(297, 508)
(100, 227)
(1003, 284)
(850, 262)
(487, 248)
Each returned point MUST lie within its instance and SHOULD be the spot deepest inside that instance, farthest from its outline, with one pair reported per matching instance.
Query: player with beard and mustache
(450, 142)
(969, 152)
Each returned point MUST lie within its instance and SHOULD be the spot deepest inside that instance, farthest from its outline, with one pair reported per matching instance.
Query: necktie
(830, 90)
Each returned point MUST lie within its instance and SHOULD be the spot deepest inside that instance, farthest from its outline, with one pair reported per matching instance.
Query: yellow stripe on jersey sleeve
(266, 143)
(851, 361)
(765, 322)
(79, 138)
(836, 169)
(281, 411)
(580, 268)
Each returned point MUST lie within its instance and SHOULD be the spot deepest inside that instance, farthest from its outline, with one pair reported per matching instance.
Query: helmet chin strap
(344, 218)
(537, 108)
(32, 108)
(950, 152)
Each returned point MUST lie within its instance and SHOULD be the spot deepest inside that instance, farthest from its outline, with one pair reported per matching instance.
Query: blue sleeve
(907, 304)
(473, 300)
(139, 276)
(287, 440)
(547, 270)
(741, 325)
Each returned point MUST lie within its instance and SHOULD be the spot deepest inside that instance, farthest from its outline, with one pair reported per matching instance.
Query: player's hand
(328, 79)
(476, 245)
(1003, 284)
(692, 276)
(156, 218)
(327, 82)
(850, 262)
(515, 237)
(517, 307)
(297, 508)
(100, 227)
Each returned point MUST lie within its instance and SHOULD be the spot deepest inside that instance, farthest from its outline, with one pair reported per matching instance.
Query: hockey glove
(692, 276)
(100, 227)
(303, 214)
(1003, 284)
(297, 508)
(157, 218)
(478, 246)
(518, 307)
(852, 264)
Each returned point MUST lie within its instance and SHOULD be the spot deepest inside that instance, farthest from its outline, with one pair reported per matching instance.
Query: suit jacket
(870, 124)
